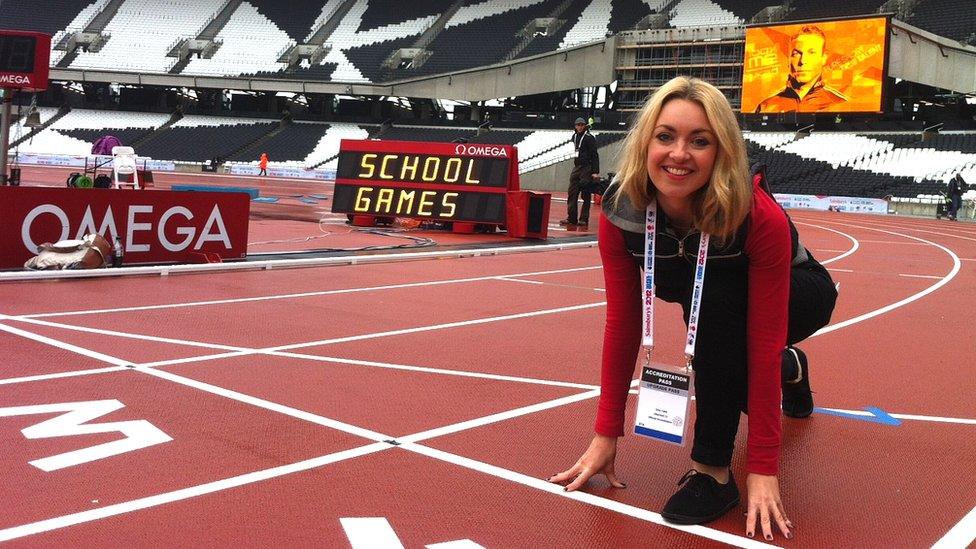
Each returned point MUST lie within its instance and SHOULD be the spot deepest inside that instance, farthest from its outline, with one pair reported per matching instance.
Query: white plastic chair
(124, 163)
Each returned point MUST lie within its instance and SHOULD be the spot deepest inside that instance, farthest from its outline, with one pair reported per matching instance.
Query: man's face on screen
(807, 58)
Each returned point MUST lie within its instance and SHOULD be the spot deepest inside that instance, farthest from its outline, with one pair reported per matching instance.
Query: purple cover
(104, 145)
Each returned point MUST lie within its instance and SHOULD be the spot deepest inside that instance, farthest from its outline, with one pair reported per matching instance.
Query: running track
(422, 403)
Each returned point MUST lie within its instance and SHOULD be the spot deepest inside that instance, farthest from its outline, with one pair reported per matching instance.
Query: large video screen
(820, 66)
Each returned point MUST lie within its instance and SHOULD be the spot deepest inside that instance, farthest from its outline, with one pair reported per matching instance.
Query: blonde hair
(720, 206)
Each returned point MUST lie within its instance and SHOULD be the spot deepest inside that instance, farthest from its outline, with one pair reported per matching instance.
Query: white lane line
(458, 544)
(956, 265)
(855, 244)
(265, 404)
(913, 417)
(573, 286)
(433, 327)
(895, 242)
(189, 359)
(206, 387)
(920, 276)
(72, 519)
(961, 535)
(268, 264)
(508, 279)
(836, 270)
(243, 351)
(63, 345)
(426, 370)
(579, 496)
(370, 533)
(128, 335)
(303, 294)
(501, 416)
(59, 375)
(967, 259)
(965, 233)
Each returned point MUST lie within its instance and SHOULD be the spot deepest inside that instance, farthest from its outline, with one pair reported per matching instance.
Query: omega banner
(153, 226)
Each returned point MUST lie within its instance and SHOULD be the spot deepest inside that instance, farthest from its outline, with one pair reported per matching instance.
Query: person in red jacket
(761, 291)
(263, 164)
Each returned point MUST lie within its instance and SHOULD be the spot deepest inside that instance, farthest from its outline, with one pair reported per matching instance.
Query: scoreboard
(455, 182)
(24, 58)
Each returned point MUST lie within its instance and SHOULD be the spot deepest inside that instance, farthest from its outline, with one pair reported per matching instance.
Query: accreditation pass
(663, 402)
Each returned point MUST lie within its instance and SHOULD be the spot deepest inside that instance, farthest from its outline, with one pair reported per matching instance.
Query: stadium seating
(818, 9)
(593, 24)
(79, 129)
(701, 13)
(294, 17)
(744, 9)
(293, 143)
(954, 19)
(142, 34)
(495, 34)
(383, 13)
(18, 129)
(200, 138)
(325, 152)
(56, 15)
(415, 133)
(868, 165)
(249, 43)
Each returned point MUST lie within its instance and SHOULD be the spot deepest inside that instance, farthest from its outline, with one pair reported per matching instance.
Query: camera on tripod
(599, 186)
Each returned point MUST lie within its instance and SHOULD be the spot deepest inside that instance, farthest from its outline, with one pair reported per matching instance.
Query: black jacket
(586, 154)
(957, 186)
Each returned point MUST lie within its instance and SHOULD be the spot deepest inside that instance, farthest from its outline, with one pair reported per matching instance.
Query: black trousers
(955, 202)
(580, 177)
(721, 372)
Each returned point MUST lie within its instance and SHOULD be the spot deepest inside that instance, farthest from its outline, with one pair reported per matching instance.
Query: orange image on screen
(826, 66)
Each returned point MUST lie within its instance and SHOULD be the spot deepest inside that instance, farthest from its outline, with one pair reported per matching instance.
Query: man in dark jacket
(586, 168)
(957, 186)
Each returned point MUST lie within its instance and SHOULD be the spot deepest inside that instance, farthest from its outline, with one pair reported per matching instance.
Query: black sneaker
(567, 223)
(701, 500)
(797, 396)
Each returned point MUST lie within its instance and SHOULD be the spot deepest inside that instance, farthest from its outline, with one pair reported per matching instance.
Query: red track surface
(296, 434)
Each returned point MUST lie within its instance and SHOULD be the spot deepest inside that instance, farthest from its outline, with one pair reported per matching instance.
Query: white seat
(124, 163)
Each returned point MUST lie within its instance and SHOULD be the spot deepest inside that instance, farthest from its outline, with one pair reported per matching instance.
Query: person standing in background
(586, 167)
(957, 186)
(263, 164)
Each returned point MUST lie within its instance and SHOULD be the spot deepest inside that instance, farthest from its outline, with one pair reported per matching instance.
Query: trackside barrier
(80, 161)
(833, 203)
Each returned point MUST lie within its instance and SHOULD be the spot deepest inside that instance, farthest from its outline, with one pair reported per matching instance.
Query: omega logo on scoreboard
(438, 181)
(24, 58)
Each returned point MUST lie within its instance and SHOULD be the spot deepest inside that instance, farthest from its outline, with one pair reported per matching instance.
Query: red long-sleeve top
(768, 247)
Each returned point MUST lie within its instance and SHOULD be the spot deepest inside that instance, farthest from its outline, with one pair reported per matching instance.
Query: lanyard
(647, 339)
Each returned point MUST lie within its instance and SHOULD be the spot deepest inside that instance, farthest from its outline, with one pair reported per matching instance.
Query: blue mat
(308, 200)
(250, 191)
(266, 199)
(320, 196)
